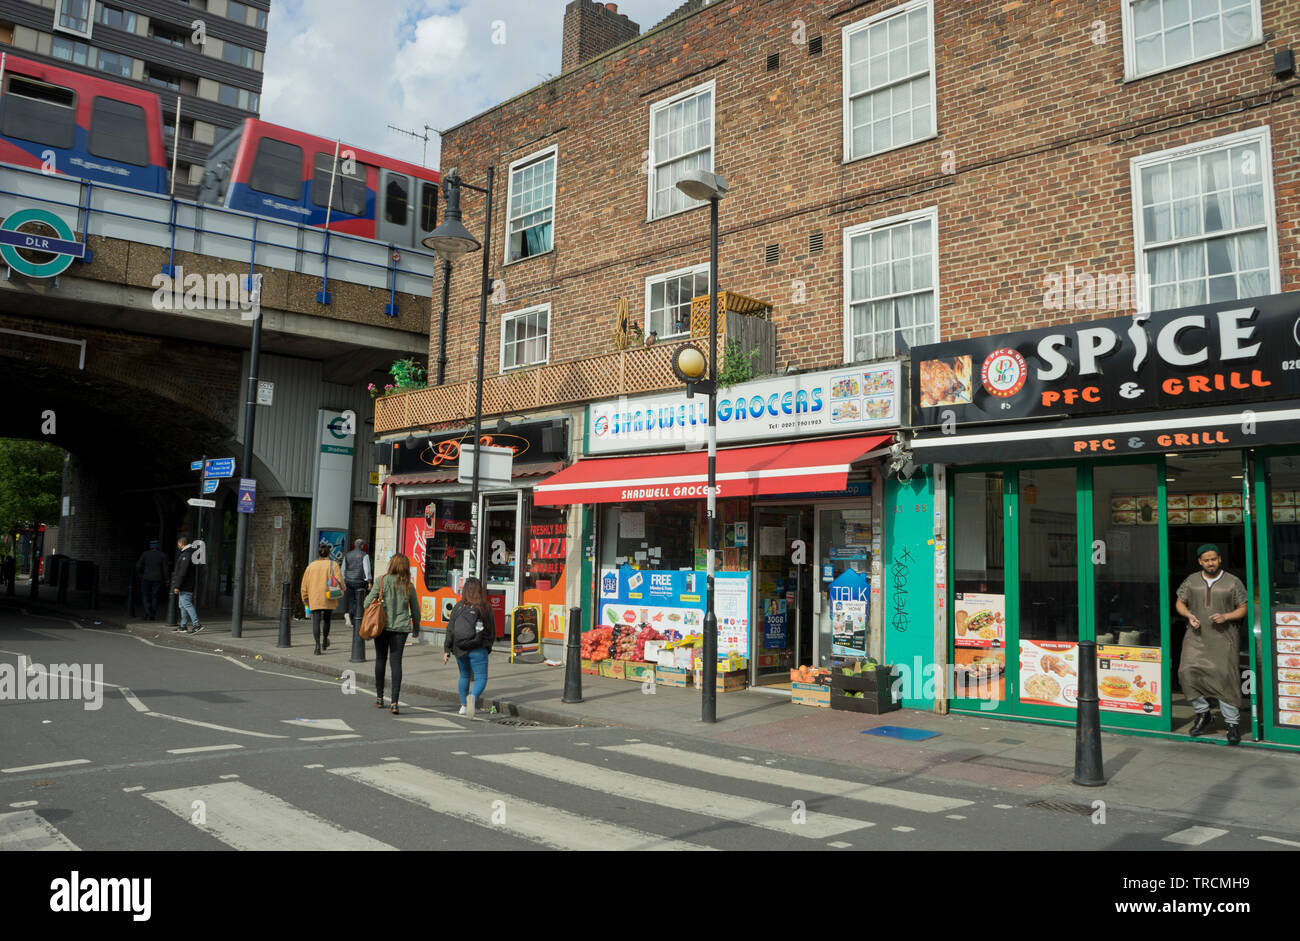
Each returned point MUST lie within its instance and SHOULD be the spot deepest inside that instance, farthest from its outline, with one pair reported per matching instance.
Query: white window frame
(1261, 135)
(515, 315)
(932, 214)
(846, 130)
(652, 280)
(652, 169)
(1131, 74)
(90, 20)
(552, 152)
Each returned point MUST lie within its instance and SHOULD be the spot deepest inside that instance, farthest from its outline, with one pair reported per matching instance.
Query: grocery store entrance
(783, 624)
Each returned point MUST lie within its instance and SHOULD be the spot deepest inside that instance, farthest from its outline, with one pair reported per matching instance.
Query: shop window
(979, 586)
(681, 139)
(1205, 222)
(532, 206)
(1126, 555)
(1166, 34)
(668, 300)
(1048, 539)
(1284, 531)
(658, 536)
(892, 273)
(547, 544)
(889, 91)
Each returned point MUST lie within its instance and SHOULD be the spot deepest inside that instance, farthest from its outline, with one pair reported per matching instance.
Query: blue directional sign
(211, 484)
(219, 467)
(196, 465)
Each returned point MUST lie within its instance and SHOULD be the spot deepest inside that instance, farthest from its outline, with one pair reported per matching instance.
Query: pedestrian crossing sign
(247, 488)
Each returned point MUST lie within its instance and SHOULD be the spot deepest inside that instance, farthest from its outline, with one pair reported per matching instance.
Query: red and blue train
(85, 126)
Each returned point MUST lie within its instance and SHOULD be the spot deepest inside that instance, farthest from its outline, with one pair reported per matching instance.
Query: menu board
(1134, 509)
(980, 619)
(1049, 672)
(1285, 503)
(1128, 679)
(1286, 641)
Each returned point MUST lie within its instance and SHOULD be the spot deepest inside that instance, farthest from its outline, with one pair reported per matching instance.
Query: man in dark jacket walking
(357, 578)
(184, 579)
(152, 570)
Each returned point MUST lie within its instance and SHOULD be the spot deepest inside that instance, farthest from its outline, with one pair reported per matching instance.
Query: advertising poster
(547, 551)
(433, 604)
(1049, 672)
(774, 621)
(980, 620)
(850, 597)
(979, 674)
(670, 602)
(1128, 679)
(1286, 640)
(731, 605)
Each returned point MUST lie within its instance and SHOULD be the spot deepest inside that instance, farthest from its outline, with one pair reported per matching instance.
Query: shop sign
(851, 398)
(527, 442)
(1232, 352)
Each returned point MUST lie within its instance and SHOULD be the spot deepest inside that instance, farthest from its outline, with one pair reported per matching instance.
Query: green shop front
(1075, 471)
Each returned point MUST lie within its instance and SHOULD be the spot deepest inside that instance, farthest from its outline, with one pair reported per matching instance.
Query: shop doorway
(844, 535)
(501, 552)
(783, 622)
(1206, 497)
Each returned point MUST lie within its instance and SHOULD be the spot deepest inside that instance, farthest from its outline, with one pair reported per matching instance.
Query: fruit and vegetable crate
(874, 702)
(868, 681)
(591, 667)
(676, 677)
(810, 694)
(612, 669)
(726, 682)
(638, 671)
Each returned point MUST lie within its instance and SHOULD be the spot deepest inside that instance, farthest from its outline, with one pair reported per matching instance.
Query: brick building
(902, 174)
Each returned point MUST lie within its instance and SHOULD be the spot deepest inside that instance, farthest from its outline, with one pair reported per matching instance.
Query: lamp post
(450, 241)
(689, 367)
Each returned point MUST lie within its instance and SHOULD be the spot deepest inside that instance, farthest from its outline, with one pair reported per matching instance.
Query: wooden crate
(877, 703)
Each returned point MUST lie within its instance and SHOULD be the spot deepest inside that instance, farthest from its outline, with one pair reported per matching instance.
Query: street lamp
(449, 242)
(688, 365)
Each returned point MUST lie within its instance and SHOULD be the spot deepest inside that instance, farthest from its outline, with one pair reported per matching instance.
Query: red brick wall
(1033, 116)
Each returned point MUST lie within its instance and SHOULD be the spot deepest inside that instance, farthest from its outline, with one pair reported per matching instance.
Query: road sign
(196, 465)
(247, 495)
(219, 467)
(211, 484)
(265, 391)
(64, 247)
(195, 501)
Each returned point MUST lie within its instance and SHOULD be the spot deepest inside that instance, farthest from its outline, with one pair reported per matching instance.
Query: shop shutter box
(877, 702)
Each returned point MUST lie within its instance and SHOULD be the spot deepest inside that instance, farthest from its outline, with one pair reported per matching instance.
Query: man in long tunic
(1214, 603)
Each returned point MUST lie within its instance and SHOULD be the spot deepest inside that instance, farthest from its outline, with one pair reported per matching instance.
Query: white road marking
(328, 738)
(436, 731)
(522, 748)
(1004, 806)
(1194, 836)
(218, 728)
(240, 663)
(390, 758)
(134, 700)
(128, 790)
(51, 764)
(460, 753)
(325, 725)
(538, 823)
(904, 829)
(840, 844)
(429, 722)
(694, 800)
(245, 818)
(229, 777)
(199, 748)
(954, 816)
(313, 766)
(21, 804)
(1278, 839)
(796, 780)
(28, 830)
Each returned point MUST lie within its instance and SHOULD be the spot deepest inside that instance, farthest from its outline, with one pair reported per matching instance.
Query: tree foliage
(31, 482)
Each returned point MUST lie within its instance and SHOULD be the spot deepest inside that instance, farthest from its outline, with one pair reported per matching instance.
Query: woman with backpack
(401, 617)
(470, 633)
(321, 589)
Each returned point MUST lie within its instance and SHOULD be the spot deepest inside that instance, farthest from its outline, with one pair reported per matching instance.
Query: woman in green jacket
(402, 610)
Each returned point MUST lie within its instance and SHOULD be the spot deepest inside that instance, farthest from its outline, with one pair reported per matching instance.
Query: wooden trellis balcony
(633, 371)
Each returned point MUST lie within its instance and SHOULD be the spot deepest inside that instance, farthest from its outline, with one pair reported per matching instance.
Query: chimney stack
(592, 28)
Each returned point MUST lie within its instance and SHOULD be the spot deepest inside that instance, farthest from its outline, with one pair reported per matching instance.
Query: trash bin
(52, 569)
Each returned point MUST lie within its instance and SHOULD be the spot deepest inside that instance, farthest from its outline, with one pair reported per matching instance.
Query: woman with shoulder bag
(402, 614)
(470, 633)
(321, 591)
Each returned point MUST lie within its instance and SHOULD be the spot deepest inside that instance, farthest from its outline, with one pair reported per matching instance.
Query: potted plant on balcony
(407, 374)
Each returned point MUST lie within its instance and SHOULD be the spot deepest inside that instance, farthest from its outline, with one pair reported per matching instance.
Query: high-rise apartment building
(206, 53)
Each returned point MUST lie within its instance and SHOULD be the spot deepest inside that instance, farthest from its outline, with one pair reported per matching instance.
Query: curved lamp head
(451, 240)
(689, 363)
(702, 185)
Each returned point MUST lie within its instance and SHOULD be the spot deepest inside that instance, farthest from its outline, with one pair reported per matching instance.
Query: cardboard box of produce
(638, 670)
(666, 658)
(685, 657)
(653, 648)
(810, 694)
(591, 667)
(674, 676)
(726, 682)
(612, 668)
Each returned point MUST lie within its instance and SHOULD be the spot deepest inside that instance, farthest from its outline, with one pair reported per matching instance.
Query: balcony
(633, 371)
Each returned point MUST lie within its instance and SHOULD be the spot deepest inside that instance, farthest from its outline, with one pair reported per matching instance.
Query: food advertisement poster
(433, 604)
(673, 604)
(1128, 679)
(1049, 672)
(1286, 639)
(980, 619)
(850, 598)
(980, 674)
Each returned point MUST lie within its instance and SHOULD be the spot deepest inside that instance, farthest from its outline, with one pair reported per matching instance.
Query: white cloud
(350, 68)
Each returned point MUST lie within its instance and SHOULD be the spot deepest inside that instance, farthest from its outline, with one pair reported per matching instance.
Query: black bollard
(359, 642)
(130, 597)
(173, 612)
(573, 658)
(1087, 737)
(284, 616)
(94, 586)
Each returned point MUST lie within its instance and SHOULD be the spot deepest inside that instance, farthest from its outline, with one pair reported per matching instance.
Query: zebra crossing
(497, 790)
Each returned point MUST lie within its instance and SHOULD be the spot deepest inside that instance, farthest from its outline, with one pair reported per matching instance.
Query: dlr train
(90, 127)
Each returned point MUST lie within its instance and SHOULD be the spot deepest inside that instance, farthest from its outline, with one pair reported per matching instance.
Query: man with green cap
(1214, 602)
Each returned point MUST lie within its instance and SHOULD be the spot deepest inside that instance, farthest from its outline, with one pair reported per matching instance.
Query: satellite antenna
(424, 158)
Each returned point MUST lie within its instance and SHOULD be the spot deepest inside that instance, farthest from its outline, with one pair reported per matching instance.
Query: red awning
(801, 467)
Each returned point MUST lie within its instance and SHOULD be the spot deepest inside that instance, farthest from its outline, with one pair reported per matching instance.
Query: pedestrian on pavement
(1213, 601)
(315, 595)
(8, 569)
(470, 634)
(356, 575)
(402, 617)
(184, 577)
(151, 569)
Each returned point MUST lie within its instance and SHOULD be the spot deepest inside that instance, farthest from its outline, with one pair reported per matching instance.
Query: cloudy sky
(350, 68)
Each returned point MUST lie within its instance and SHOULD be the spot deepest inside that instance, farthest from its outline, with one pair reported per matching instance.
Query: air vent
(772, 254)
(815, 46)
(774, 62)
(815, 242)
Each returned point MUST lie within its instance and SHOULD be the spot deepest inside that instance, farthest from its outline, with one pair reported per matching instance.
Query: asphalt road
(197, 750)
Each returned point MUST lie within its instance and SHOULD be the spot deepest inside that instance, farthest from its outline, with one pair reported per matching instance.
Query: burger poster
(980, 620)
(1128, 679)
(1049, 672)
